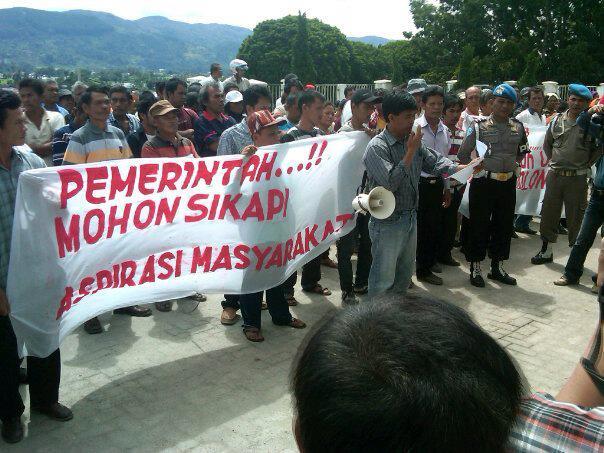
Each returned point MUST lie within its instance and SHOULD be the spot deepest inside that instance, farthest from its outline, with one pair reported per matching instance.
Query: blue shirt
(22, 159)
(62, 110)
(60, 140)
(286, 126)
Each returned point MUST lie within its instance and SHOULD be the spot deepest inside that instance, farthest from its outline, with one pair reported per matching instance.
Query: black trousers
(44, 375)
(492, 205)
(345, 247)
(449, 219)
(311, 274)
(429, 223)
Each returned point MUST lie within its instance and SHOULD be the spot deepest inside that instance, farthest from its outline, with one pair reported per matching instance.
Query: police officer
(492, 193)
(572, 152)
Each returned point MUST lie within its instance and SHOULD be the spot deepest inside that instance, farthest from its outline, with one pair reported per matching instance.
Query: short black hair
(347, 90)
(292, 99)
(214, 67)
(195, 87)
(403, 374)
(192, 100)
(145, 102)
(253, 94)
(120, 89)
(160, 86)
(87, 95)
(535, 90)
(229, 86)
(173, 84)
(452, 100)
(396, 102)
(36, 85)
(308, 97)
(9, 100)
(432, 90)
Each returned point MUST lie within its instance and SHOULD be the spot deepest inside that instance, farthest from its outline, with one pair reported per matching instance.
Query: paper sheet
(463, 175)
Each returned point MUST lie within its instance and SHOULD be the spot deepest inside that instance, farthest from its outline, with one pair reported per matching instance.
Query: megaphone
(379, 203)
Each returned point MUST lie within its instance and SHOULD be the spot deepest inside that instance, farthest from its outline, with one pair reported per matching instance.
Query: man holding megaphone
(394, 160)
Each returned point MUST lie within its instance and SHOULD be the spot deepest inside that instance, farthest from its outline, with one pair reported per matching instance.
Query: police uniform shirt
(506, 144)
(568, 146)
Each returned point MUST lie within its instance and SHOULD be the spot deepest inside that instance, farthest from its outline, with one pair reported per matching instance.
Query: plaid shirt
(545, 424)
(383, 160)
(21, 159)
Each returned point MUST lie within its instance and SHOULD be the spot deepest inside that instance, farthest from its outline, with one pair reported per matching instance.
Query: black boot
(476, 275)
(544, 256)
(499, 274)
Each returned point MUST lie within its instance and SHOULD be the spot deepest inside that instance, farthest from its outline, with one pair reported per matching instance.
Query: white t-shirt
(51, 121)
(531, 119)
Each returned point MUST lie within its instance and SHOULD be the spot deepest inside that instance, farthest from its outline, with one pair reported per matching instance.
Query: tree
(465, 76)
(329, 49)
(302, 63)
(529, 76)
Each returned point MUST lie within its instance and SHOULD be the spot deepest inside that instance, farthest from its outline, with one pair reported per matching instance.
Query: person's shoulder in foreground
(418, 374)
(545, 424)
(31, 159)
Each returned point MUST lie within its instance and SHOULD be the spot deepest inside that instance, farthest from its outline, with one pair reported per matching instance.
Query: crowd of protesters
(419, 136)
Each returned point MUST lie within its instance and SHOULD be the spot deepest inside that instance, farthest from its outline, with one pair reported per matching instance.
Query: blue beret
(505, 91)
(580, 90)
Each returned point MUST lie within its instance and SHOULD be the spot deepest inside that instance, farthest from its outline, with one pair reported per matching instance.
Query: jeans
(522, 221)
(44, 375)
(345, 248)
(251, 310)
(393, 248)
(592, 221)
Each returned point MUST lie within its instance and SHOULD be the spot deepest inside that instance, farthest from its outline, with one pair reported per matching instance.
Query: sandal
(318, 289)
(297, 323)
(253, 334)
(291, 301)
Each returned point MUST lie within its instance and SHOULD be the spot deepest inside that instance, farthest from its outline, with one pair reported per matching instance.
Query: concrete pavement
(184, 382)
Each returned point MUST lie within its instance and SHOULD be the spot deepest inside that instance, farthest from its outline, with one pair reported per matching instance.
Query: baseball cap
(416, 86)
(64, 92)
(237, 63)
(233, 96)
(364, 95)
(259, 120)
(161, 108)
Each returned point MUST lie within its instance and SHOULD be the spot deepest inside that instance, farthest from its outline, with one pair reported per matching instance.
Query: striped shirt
(22, 159)
(234, 139)
(158, 147)
(383, 160)
(91, 144)
(545, 424)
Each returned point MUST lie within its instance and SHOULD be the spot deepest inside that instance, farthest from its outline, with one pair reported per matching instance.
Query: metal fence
(331, 91)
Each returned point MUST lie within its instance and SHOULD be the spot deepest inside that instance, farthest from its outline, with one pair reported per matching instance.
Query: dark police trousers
(44, 375)
(345, 247)
(429, 223)
(450, 221)
(592, 221)
(492, 206)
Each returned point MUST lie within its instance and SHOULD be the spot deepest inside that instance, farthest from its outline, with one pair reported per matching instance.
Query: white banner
(91, 238)
(530, 185)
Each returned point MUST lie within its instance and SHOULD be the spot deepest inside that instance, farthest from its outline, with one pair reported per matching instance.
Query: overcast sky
(388, 18)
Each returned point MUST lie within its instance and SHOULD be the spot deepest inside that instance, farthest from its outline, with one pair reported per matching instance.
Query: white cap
(233, 96)
(236, 63)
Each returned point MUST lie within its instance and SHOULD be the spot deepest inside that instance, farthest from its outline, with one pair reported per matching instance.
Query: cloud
(389, 20)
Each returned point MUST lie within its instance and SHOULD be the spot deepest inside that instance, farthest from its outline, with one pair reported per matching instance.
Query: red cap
(260, 120)
(309, 86)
